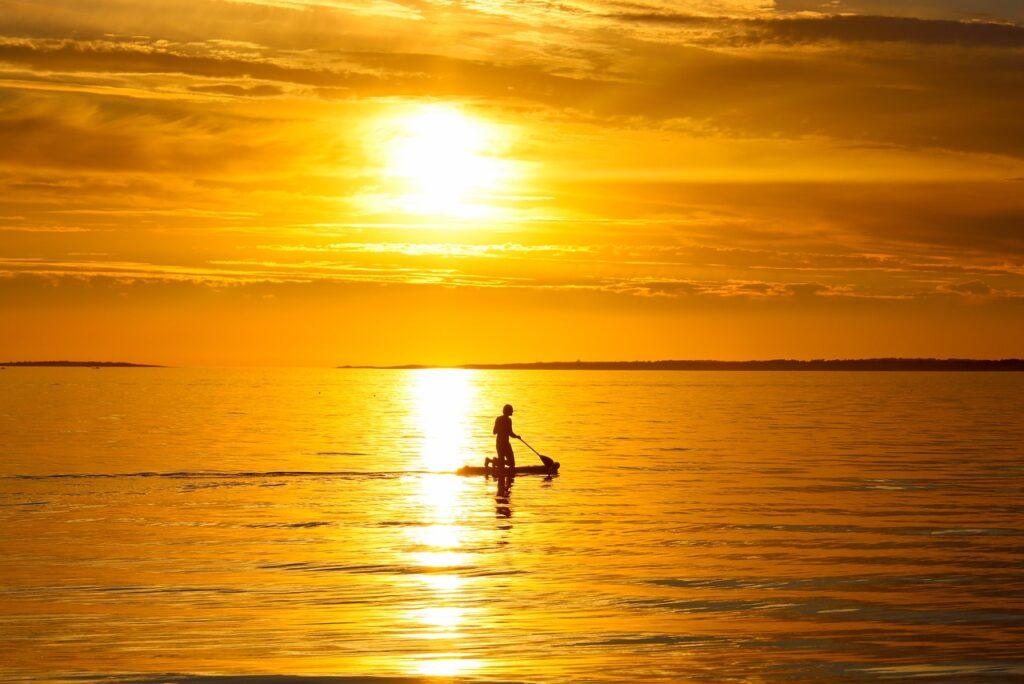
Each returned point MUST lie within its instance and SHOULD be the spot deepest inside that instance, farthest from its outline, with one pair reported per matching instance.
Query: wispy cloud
(445, 249)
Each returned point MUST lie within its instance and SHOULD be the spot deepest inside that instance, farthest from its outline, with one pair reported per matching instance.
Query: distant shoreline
(79, 364)
(879, 364)
(882, 364)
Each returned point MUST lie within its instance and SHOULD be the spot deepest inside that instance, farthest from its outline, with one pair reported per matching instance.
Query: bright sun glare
(444, 162)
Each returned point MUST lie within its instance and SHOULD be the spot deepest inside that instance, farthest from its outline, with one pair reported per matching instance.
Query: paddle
(546, 460)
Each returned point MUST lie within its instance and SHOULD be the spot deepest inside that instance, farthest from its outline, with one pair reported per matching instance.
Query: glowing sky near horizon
(386, 182)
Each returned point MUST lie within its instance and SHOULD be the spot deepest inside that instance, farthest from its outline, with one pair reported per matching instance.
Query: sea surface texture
(167, 524)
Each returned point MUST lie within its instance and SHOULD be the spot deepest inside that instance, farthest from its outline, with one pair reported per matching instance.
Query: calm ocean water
(706, 526)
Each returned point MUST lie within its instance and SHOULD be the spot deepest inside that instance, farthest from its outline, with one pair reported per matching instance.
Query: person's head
(506, 410)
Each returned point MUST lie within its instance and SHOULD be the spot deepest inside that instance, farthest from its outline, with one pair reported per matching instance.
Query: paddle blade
(547, 460)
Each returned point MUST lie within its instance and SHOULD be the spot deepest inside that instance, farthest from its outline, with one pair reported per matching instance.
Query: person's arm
(511, 432)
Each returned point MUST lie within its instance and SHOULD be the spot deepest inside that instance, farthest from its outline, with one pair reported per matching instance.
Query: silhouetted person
(502, 431)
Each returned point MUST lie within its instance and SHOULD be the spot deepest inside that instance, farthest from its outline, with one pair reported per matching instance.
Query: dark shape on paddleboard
(520, 470)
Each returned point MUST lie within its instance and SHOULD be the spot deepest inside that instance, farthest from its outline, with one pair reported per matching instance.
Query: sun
(444, 162)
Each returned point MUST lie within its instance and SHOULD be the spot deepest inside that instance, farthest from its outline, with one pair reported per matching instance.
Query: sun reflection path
(442, 400)
(442, 404)
(446, 667)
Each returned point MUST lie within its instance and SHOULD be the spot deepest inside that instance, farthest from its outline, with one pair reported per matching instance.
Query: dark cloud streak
(846, 29)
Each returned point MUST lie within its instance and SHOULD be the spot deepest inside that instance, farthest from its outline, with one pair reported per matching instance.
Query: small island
(881, 364)
(79, 364)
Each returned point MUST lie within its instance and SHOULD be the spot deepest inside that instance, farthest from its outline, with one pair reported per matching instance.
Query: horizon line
(779, 363)
(865, 363)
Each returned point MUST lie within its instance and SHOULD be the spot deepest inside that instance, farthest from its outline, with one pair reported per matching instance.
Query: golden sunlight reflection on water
(447, 667)
(441, 403)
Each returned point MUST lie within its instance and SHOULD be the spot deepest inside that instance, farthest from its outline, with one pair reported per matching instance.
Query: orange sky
(318, 183)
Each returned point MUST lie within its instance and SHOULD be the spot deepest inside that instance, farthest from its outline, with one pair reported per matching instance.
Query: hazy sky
(291, 182)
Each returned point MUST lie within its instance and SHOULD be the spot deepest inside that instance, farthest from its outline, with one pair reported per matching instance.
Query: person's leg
(505, 457)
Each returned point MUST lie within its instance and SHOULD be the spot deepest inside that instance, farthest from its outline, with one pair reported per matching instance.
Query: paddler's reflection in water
(502, 497)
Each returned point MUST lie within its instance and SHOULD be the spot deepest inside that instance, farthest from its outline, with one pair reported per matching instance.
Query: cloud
(886, 29)
(158, 57)
(561, 270)
(996, 10)
(444, 249)
(333, 75)
(730, 289)
(835, 28)
(292, 25)
(45, 229)
(225, 272)
(737, 78)
(81, 133)
(971, 287)
(809, 289)
(239, 90)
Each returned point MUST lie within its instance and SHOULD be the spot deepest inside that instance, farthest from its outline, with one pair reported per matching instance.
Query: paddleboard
(520, 470)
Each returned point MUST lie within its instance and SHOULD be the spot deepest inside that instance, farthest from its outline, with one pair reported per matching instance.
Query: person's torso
(502, 428)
